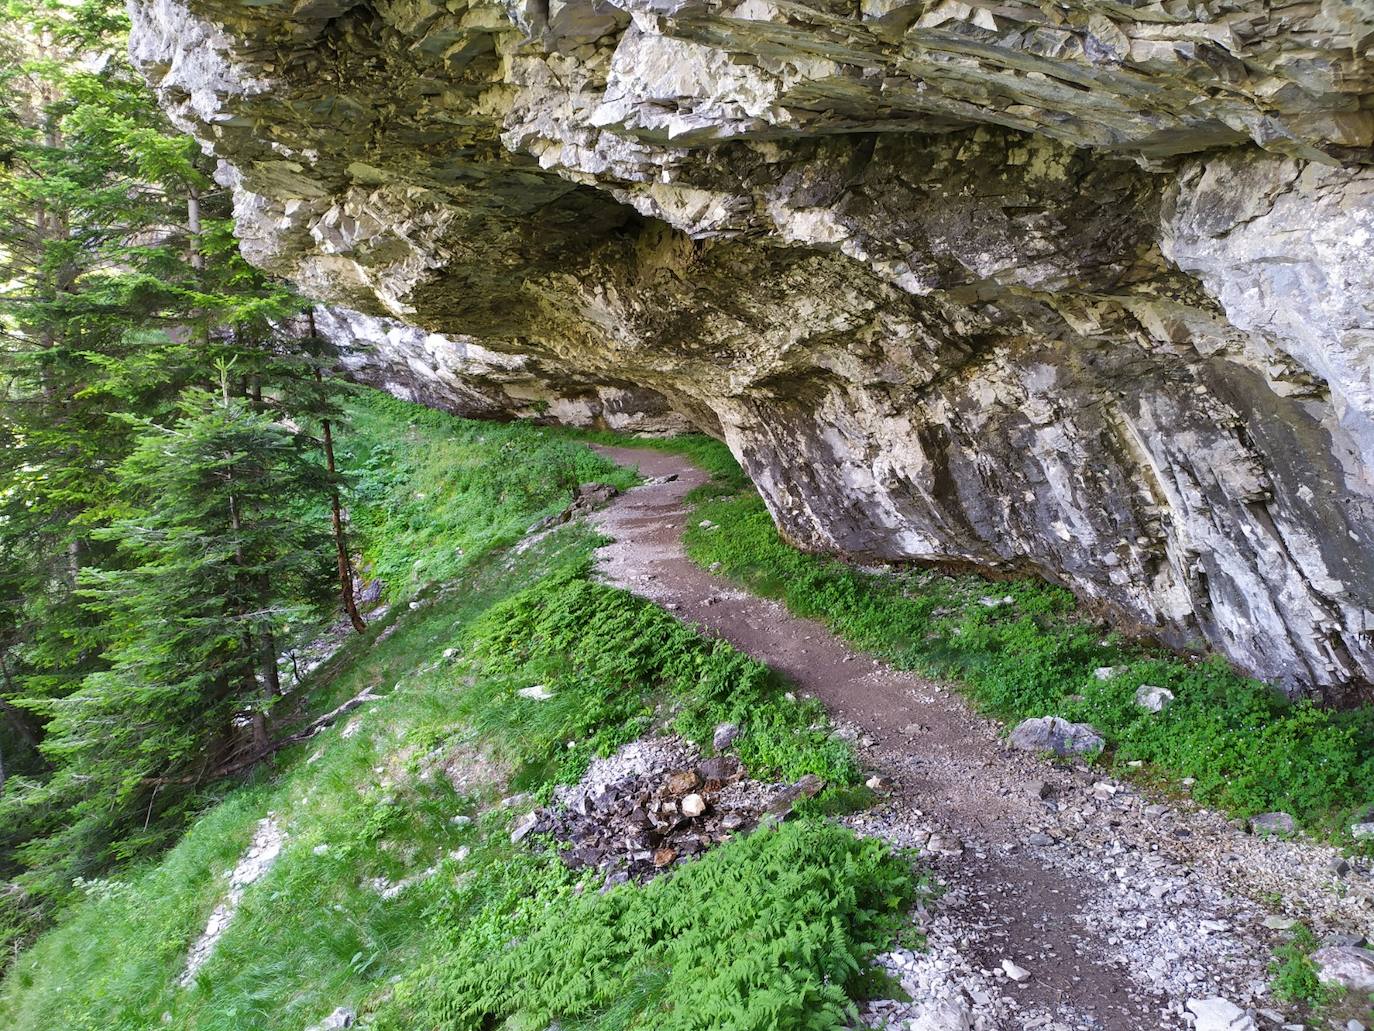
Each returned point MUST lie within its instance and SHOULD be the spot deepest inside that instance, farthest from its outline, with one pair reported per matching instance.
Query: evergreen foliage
(164, 498)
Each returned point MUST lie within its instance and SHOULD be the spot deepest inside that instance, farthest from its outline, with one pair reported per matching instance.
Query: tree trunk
(193, 227)
(350, 603)
(271, 687)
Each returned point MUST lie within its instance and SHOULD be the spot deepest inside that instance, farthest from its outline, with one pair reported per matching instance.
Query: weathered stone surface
(1156, 699)
(1346, 965)
(1279, 824)
(459, 375)
(1075, 289)
(1053, 734)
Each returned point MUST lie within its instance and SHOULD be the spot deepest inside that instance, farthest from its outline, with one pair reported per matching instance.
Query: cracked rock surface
(1078, 289)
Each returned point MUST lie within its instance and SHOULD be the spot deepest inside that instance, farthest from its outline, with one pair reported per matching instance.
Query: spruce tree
(164, 485)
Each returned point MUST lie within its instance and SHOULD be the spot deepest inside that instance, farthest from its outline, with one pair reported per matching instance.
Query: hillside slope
(372, 867)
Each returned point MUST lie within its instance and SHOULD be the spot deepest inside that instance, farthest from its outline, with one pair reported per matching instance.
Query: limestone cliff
(1080, 288)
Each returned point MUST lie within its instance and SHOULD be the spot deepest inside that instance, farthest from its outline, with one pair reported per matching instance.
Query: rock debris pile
(657, 803)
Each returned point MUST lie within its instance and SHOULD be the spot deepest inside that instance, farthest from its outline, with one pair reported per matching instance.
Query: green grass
(1249, 749)
(772, 930)
(1294, 974)
(799, 911)
(431, 492)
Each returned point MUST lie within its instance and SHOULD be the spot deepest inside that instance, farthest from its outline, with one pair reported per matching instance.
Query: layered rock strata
(1082, 289)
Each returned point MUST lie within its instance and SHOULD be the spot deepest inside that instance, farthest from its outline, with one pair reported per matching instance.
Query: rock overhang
(1072, 288)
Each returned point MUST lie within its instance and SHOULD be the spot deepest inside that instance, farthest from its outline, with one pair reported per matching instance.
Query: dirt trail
(1120, 908)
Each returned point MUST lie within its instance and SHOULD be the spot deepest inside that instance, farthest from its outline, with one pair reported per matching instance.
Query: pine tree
(162, 497)
(222, 550)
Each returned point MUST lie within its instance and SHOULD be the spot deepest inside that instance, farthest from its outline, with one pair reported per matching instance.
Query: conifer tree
(222, 549)
(163, 492)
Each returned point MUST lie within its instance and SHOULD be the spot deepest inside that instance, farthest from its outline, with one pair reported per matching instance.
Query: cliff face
(1080, 288)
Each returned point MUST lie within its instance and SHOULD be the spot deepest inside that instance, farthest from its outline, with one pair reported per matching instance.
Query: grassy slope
(1248, 749)
(800, 910)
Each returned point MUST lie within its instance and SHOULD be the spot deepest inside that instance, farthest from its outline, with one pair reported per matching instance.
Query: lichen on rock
(1073, 289)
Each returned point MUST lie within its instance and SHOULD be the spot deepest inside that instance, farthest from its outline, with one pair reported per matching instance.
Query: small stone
(537, 693)
(693, 806)
(940, 844)
(724, 736)
(343, 1017)
(460, 820)
(1338, 867)
(878, 783)
(664, 856)
(987, 601)
(1346, 965)
(1276, 824)
(720, 770)
(450, 652)
(1220, 1015)
(681, 782)
(1108, 672)
(944, 1015)
(786, 799)
(1040, 838)
(320, 850)
(1017, 974)
(1280, 923)
(1155, 699)
(414, 605)
(523, 826)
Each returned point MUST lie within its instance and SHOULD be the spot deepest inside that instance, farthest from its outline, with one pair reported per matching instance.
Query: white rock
(1349, 966)
(538, 693)
(1156, 699)
(1220, 1015)
(944, 1015)
(1017, 974)
(1053, 734)
(343, 1017)
(693, 805)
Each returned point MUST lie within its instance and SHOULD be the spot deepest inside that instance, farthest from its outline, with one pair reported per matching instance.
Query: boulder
(1348, 966)
(1279, 825)
(1053, 734)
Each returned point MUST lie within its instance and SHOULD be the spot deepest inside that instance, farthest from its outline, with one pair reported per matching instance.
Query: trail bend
(1121, 907)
